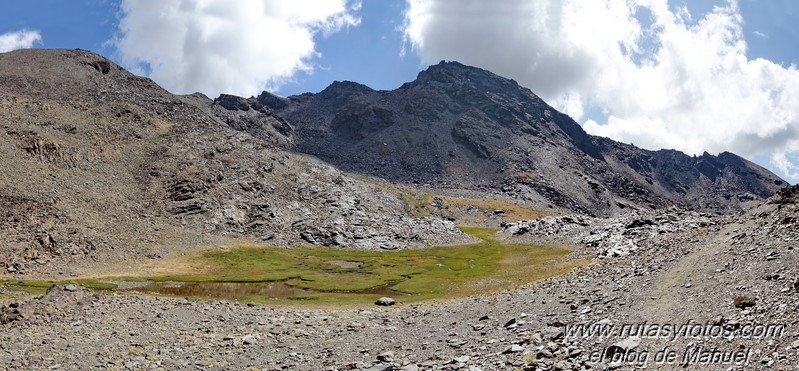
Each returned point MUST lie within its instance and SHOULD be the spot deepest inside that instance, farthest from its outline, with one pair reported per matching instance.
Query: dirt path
(675, 289)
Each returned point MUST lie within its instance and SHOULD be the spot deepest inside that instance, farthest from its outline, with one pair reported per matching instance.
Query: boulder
(385, 301)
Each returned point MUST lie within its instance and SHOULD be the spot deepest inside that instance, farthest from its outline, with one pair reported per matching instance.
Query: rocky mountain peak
(345, 88)
(462, 126)
(457, 77)
(61, 74)
(232, 102)
(272, 101)
(447, 72)
(455, 72)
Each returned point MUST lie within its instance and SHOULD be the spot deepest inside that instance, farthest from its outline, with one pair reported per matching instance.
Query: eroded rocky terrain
(689, 270)
(103, 170)
(97, 164)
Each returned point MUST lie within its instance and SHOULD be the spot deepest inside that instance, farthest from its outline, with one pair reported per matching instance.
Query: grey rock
(544, 353)
(623, 346)
(232, 103)
(380, 367)
(385, 301)
(515, 348)
(387, 356)
(552, 333)
(562, 365)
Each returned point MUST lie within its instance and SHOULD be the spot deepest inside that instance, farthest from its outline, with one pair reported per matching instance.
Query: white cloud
(760, 34)
(667, 79)
(22, 39)
(219, 46)
(787, 167)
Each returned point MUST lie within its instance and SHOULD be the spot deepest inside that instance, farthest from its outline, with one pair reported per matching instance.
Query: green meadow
(325, 275)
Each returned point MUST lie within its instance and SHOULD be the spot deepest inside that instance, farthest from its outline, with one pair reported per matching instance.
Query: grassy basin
(351, 276)
(324, 275)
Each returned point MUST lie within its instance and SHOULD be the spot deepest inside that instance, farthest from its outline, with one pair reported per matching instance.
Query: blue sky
(363, 41)
(368, 53)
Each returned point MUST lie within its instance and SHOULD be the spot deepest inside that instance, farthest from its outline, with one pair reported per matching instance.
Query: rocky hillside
(98, 163)
(462, 127)
(716, 292)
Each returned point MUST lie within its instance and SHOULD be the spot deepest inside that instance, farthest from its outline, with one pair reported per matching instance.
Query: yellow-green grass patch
(467, 210)
(39, 287)
(408, 275)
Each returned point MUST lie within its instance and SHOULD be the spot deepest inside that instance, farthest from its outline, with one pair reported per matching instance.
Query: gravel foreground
(728, 285)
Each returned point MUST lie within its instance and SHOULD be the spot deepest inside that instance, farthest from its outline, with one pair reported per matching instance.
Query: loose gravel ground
(688, 275)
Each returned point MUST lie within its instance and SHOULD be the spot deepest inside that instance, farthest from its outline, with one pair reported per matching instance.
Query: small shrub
(743, 301)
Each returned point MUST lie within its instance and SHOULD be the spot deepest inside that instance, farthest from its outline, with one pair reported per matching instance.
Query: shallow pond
(270, 291)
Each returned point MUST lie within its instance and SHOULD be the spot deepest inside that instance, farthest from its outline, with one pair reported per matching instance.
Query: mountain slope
(462, 127)
(96, 163)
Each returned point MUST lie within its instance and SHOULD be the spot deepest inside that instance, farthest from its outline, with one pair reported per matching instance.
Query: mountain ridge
(461, 125)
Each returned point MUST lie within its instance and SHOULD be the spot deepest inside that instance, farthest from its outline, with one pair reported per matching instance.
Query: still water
(240, 290)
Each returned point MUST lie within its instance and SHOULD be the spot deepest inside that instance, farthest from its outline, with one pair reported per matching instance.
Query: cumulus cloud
(219, 46)
(666, 78)
(22, 39)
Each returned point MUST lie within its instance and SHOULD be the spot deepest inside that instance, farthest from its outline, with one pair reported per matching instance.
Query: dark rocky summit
(463, 127)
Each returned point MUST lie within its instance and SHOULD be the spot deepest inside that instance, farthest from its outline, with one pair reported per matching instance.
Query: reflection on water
(239, 290)
(345, 263)
(225, 290)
